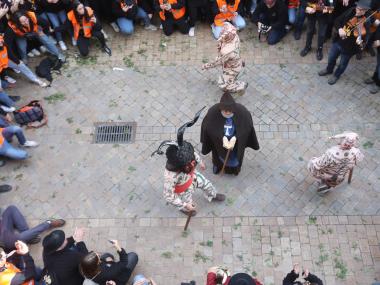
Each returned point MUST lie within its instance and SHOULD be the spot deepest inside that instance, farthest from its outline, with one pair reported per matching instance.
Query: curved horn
(164, 143)
(182, 129)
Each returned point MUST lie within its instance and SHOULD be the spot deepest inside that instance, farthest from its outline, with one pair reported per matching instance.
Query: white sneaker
(30, 144)
(35, 52)
(62, 45)
(9, 79)
(43, 49)
(31, 54)
(74, 42)
(150, 27)
(41, 83)
(160, 26)
(15, 70)
(192, 32)
(115, 27)
(8, 109)
(104, 34)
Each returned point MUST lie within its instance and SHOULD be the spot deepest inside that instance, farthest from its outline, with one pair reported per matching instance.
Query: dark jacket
(292, 276)
(116, 271)
(348, 44)
(65, 263)
(276, 17)
(212, 132)
(44, 5)
(118, 12)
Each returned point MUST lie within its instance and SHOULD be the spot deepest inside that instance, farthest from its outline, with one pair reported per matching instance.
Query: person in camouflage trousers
(181, 176)
(230, 60)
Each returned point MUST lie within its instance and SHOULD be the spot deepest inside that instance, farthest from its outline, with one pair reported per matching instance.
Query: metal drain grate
(109, 132)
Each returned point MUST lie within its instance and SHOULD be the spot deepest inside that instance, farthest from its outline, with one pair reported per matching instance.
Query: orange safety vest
(85, 25)
(229, 15)
(33, 18)
(177, 13)
(7, 275)
(4, 59)
(1, 136)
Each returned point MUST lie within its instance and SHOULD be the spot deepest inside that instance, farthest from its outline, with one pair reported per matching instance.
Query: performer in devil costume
(227, 127)
(181, 176)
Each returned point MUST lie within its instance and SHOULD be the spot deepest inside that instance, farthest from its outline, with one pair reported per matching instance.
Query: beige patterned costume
(178, 178)
(229, 58)
(332, 167)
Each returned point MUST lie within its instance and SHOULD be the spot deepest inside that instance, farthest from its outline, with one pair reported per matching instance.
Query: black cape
(212, 132)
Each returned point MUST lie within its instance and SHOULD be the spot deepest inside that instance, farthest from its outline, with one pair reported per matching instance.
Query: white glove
(229, 144)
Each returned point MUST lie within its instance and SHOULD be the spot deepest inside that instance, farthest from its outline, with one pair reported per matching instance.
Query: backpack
(31, 115)
(46, 66)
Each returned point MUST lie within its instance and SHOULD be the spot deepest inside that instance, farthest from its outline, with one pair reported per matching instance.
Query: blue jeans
(238, 22)
(14, 227)
(8, 150)
(5, 100)
(334, 53)
(275, 35)
(300, 19)
(126, 25)
(292, 15)
(56, 19)
(44, 40)
(253, 6)
(24, 69)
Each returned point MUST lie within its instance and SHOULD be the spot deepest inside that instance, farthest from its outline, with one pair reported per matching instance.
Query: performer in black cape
(228, 125)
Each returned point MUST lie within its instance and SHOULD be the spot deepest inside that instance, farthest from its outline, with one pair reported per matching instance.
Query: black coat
(212, 132)
(65, 263)
(290, 279)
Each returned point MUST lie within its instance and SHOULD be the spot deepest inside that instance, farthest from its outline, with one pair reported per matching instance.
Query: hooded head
(228, 33)
(348, 140)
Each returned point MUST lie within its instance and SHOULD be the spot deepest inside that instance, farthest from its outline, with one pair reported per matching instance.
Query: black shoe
(215, 169)
(319, 54)
(323, 189)
(35, 240)
(5, 188)
(297, 35)
(332, 80)
(324, 72)
(359, 55)
(219, 198)
(15, 98)
(305, 51)
(107, 50)
(369, 81)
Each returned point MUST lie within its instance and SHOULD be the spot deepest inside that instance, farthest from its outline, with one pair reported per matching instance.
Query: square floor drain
(110, 132)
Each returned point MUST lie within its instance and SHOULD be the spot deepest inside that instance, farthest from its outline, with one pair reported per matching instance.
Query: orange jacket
(177, 13)
(4, 59)
(33, 18)
(10, 271)
(229, 15)
(85, 25)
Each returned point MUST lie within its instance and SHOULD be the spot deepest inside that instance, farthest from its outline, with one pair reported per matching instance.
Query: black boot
(107, 50)
(305, 51)
(319, 53)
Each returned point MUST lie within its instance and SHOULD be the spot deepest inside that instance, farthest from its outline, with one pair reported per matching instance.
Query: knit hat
(227, 102)
(241, 279)
(53, 241)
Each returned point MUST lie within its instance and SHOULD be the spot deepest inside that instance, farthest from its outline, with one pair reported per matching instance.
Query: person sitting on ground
(23, 27)
(7, 149)
(62, 256)
(82, 25)
(13, 227)
(226, 11)
(310, 279)
(272, 14)
(219, 275)
(172, 14)
(101, 269)
(126, 12)
(10, 273)
(332, 167)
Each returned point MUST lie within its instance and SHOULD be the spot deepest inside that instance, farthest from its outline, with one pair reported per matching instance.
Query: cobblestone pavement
(116, 190)
(339, 249)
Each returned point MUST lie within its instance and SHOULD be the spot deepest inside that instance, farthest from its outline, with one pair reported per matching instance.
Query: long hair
(78, 17)
(90, 265)
(15, 18)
